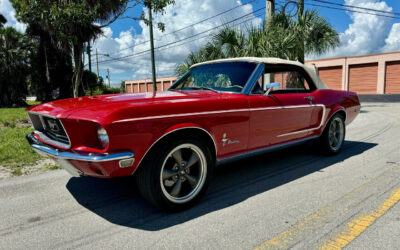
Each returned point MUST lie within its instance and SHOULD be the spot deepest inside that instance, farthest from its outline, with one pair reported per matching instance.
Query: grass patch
(15, 153)
(12, 115)
(30, 103)
(16, 156)
(16, 171)
(46, 167)
(14, 149)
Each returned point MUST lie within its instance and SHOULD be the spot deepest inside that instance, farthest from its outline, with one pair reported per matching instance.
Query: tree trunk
(48, 96)
(292, 80)
(77, 77)
(300, 14)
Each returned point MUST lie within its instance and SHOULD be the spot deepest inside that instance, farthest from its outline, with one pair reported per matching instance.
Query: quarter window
(290, 81)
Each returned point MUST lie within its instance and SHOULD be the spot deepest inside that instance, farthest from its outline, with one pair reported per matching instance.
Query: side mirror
(269, 87)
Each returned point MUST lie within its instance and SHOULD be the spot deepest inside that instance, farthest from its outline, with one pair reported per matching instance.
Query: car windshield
(224, 77)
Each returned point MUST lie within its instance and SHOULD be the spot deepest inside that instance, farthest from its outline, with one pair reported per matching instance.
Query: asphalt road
(293, 198)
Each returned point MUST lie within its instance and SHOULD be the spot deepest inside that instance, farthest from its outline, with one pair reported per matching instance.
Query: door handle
(309, 98)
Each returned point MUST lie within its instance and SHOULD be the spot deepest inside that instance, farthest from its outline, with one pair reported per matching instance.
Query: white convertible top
(319, 84)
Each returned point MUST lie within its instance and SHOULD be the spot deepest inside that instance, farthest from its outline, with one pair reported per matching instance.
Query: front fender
(173, 129)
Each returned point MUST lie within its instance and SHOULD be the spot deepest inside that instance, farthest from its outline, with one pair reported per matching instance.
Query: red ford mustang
(217, 112)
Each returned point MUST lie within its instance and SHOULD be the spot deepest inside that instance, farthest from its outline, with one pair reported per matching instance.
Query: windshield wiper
(204, 88)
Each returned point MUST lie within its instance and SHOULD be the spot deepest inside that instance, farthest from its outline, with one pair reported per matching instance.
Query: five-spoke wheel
(176, 175)
(336, 133)
(331, 140)
(183, 173)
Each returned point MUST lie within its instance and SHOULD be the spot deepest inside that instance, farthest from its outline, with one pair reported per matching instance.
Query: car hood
(97, 108)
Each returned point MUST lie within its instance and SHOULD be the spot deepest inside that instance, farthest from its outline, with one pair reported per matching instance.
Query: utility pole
(90, 59)
(108, 77)
(300, 13)
(153, 66)
(269, 9)
(97, 63)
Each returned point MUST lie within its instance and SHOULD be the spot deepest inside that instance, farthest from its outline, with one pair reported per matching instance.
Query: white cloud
(367, 34)
(393, 40)
(182, 14)
(8, 12)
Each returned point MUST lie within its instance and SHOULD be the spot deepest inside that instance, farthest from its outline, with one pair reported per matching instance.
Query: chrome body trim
(45, 138)
(46, 150)
(36, 113)
(341, 109)
(154, 143)
(180, 115)
(215, 112)
(255, 152)
(310, 129)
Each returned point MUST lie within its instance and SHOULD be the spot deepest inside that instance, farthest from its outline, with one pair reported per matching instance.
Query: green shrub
(104, 91)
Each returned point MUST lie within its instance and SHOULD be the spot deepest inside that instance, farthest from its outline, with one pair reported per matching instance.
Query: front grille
(50, 130)
(54, 128)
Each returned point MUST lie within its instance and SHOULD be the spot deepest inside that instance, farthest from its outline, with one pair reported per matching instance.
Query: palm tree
(3, 20)
(277, 38)
(15, 49)
(71, 23)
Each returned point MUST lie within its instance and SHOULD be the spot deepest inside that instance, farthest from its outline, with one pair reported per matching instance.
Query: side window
(291, 80)
(258, 87)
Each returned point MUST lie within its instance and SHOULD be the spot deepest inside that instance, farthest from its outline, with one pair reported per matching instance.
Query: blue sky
(359, 33)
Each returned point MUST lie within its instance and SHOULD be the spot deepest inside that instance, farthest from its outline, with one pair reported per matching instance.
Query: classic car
(217, 112)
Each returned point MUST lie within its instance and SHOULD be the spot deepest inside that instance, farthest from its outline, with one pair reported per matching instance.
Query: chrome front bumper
(63, 156)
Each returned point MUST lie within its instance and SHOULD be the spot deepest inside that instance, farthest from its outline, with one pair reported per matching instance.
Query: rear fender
(335, 110)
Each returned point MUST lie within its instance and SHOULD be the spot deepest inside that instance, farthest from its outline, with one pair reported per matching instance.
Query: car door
(287, 113)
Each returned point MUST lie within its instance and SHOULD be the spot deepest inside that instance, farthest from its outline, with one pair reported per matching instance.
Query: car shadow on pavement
(118, 201)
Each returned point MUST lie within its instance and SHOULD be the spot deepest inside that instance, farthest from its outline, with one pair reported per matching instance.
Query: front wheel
(176, 175)
(332, 139)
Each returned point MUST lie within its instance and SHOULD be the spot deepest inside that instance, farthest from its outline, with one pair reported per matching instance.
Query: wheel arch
(337, 110)
(180, 130)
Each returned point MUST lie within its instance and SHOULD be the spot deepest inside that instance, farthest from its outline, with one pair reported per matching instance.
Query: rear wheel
(176, 175)
(332, 139)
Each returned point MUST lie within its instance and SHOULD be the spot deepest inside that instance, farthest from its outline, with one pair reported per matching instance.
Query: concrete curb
(380, 98)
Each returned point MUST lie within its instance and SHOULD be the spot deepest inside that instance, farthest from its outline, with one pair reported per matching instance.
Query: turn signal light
(126, 163)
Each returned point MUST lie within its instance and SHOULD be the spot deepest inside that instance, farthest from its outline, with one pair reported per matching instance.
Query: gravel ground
(43, 165)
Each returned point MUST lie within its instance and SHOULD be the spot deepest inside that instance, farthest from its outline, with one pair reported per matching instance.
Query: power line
(196, 39)
(190, 25)
(180, 43)
(169, 69)
(202, 21)
(355, 11)
(315, 5)
(186, 38)
(357, 7)
(249, 19)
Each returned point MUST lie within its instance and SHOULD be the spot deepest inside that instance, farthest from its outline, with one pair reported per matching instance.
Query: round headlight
(103, 136)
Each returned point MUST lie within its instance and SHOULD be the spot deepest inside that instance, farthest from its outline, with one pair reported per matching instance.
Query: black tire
(193, 180)
(331, 144)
